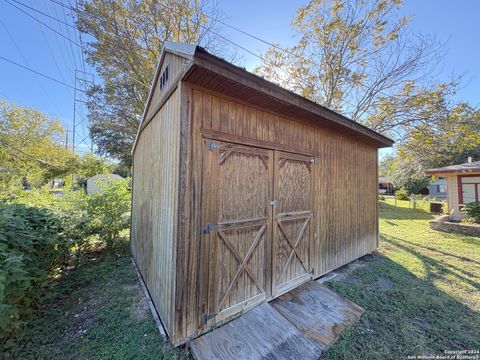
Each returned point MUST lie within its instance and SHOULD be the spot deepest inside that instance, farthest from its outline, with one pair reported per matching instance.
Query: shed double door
(257, 226)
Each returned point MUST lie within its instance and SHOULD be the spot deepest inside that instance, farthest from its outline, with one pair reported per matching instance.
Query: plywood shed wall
(239, 197)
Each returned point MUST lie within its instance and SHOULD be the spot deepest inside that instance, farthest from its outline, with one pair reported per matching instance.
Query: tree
(31, 146)
(126, 39)
(90, 165)
(450, 139)
(353, 55)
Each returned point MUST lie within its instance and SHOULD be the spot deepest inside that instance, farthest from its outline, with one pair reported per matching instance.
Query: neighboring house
(385, 186)
(438, 188)
(463, 185)
(57, 183)
(92, 183)
(240, 191)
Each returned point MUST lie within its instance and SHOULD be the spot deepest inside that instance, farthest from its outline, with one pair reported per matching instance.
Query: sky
(29, 43)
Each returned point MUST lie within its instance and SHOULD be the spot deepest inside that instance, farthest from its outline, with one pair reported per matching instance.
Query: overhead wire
(41, 22)
(27, 62)
(221, 37)
(39, 73)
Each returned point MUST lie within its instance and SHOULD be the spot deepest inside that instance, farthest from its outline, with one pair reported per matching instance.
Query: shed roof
(461, 168)
(216, 74)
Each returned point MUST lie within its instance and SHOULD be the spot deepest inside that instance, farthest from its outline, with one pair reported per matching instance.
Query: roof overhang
(445, 172)
(211, 72)
(221, 76)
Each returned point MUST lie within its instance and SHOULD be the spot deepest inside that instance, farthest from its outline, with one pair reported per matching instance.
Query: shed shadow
(404, 315)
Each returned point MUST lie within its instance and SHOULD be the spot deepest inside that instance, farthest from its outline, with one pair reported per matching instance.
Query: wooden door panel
(238, 188)
(292, 220)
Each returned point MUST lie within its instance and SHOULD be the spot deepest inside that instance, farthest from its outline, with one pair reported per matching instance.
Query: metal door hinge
(274, 202)
(312, 161)
(212, 146)
(210, 228)
(207, 317)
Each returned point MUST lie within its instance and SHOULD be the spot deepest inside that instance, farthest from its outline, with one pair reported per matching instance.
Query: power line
(41, 161)
(52, 53)
(26, 62)
(39, 73)
(41, 22)
(60, 47)
(68, 35)
(41, 12)
(79, 34)
(222, 37)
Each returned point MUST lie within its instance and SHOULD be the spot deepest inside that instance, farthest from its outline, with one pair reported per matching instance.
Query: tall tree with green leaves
(352, 56)
(125, 40)
(450, 139)
(31, 146)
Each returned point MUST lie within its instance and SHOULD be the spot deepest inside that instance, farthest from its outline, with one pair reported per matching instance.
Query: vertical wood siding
(345, 181)
(175, 66)
(154, 209)
(345, 191)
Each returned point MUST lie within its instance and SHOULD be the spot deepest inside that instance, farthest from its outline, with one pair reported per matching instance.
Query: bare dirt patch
(141, 309)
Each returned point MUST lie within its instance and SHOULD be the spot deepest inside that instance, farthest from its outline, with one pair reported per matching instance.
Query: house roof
(216, 74)
(461, 168)
(383, 180)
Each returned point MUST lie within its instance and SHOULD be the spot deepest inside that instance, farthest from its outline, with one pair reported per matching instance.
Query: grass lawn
(96, 312)
(420, 292)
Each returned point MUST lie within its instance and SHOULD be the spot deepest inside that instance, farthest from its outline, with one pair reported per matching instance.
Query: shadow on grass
(435, 269)
(388, 211)
(473, 239)
(404, 315)
(96, 311)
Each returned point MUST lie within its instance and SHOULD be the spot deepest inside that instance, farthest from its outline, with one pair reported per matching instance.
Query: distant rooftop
(461, 168)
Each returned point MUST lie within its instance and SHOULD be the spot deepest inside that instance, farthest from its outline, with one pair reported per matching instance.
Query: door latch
(210, 228)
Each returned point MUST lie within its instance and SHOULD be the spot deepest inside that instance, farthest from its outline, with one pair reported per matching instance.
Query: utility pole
(66, 139)
(81, 82)
(74, 117)
(74, 113)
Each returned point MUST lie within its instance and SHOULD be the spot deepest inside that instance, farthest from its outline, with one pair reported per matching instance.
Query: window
(162, 81)
(468, 189)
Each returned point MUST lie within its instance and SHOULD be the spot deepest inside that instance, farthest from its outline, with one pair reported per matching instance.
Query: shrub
(29, 243)
(108, 210)
(402, 194)
(381, 197)
(41, 232)
(472, 211)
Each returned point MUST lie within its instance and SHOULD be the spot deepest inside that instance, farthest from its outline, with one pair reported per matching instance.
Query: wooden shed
(242, 190)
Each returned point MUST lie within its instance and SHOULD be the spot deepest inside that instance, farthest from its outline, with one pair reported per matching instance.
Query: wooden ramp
(300, 324)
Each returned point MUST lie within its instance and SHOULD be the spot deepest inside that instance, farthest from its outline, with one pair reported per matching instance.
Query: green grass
(95, 312)
(420, 291)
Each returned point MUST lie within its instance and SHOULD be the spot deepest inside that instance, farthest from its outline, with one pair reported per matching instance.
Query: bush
(381, 197)
(41, 232)
(108, 210)
(29, 245)
(402, 194)
(472, 211)
(417, 186)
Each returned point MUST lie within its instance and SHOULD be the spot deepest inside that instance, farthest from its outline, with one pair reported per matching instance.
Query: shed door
(292, 221)
(237, 234)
